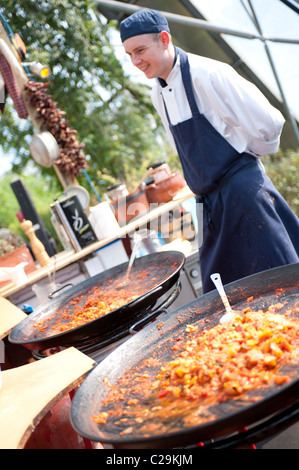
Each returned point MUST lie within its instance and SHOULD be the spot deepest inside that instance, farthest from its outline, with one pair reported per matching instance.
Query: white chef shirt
(233, 105)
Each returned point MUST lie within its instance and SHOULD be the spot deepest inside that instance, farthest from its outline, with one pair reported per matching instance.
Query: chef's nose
(135, 59)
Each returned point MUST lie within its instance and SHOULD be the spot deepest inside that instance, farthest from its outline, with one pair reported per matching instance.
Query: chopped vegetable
(213, 366)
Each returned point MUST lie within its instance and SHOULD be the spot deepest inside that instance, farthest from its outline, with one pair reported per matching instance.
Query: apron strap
(186, 76)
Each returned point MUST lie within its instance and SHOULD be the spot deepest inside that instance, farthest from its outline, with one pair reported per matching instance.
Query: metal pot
(165, 189)
(44, 149)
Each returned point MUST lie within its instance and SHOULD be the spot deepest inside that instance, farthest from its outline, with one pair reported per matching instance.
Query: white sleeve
(240, 104)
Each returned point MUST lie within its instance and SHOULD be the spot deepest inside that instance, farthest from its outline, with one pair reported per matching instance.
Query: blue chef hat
(143, 22)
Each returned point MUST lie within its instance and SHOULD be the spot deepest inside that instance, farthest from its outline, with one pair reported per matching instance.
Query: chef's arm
(241, 104)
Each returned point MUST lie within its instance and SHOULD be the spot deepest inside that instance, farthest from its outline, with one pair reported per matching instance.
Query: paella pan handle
(174, 295)
(149, 294)
(141, 323)
(160, 309)
(58, 290)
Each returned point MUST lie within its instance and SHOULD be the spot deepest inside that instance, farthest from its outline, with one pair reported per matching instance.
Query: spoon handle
(132, 258)
(216, 278)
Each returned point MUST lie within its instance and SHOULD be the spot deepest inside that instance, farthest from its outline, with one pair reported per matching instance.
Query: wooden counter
(66, 258)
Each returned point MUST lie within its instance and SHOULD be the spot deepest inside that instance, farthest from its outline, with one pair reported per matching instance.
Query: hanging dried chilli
(71, 159)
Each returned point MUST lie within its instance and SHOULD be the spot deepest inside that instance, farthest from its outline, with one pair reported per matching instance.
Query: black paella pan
(152, 275)
(154, 341)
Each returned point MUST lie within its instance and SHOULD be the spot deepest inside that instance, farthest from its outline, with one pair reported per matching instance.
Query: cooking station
(140, 330)
(273, 411)
(64, 357)
(141, 325)
(144, 325)
(67, 272)
(66, 268)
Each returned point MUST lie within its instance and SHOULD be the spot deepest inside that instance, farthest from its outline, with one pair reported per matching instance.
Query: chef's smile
(140, 55)
(147, 53)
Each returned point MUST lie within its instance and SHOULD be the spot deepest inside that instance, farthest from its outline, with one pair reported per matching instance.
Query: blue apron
(247, 226)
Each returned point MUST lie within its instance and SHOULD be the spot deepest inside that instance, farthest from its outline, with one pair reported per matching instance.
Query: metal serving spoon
(230, 313)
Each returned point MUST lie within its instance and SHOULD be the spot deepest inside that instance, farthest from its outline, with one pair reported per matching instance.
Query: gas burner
(257, 433)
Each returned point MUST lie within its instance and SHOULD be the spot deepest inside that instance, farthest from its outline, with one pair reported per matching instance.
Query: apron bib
(247, 225)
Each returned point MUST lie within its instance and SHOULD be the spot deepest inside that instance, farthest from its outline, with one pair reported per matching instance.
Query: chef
(220, 125)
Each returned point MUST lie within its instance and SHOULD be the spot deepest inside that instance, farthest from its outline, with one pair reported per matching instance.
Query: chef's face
(153, 54)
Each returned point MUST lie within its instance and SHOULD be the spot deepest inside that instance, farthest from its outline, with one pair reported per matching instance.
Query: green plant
(282, 168)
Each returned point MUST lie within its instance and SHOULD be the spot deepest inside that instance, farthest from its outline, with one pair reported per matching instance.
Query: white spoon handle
(216, 278)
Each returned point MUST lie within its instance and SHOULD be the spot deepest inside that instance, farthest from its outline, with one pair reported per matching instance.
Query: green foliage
(42, 192)
(282, 168)
(112, 114)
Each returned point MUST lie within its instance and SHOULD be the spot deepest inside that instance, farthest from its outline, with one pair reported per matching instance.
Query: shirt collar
(162, 82)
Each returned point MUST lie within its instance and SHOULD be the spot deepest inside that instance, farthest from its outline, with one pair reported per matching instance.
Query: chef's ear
(165, 38)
